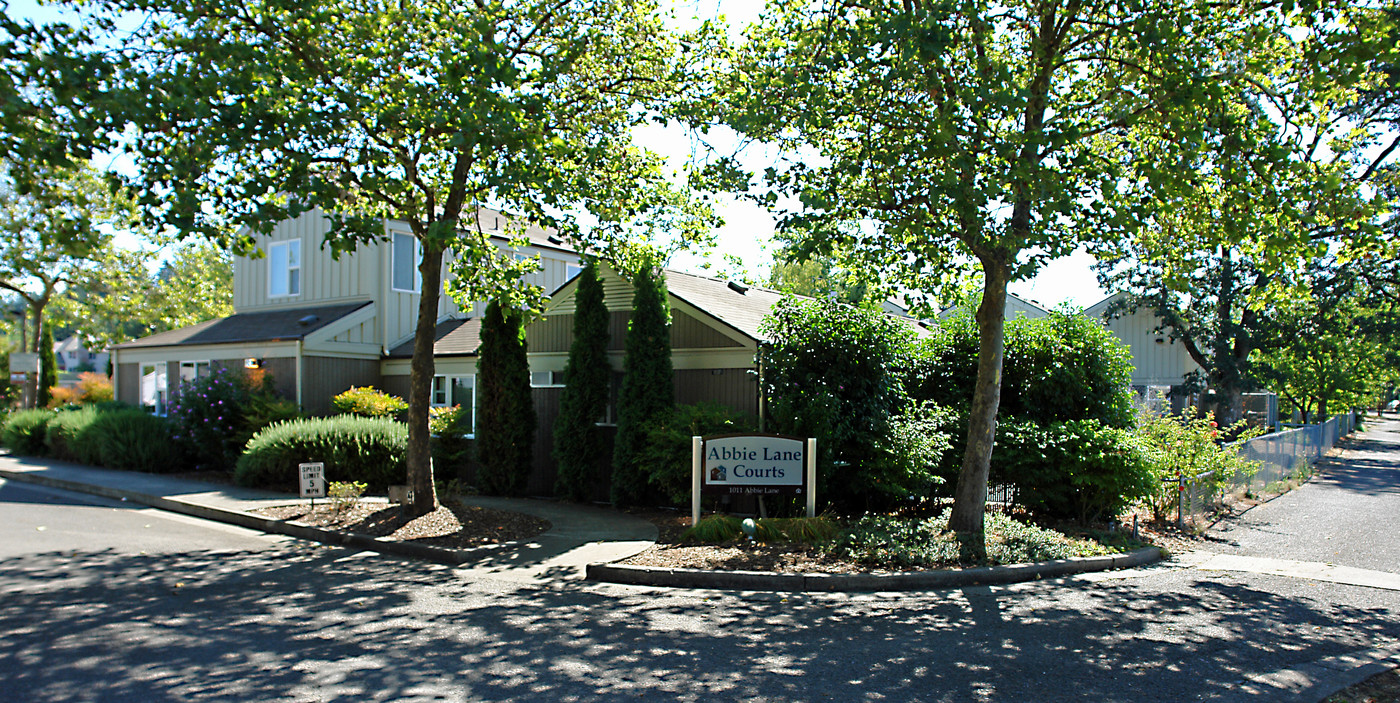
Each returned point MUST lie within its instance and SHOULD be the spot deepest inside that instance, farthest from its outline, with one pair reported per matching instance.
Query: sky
(748, 228)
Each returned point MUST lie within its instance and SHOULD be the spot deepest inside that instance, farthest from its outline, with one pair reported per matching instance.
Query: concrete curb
(284, 527)
(908, 581)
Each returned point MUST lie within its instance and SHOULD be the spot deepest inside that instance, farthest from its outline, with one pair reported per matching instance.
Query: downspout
(116, 374)
(300, 378)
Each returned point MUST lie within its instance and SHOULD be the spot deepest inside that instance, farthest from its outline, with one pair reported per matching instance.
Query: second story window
(284, 268)
(408, 252)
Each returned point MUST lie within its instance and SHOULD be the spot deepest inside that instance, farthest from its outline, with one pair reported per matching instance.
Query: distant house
(73, 356)
(1160, 363)
(1016, 306)
(318, 325)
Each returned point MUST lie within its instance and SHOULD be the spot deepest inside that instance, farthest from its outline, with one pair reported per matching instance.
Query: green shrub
(893, 542)
(505, 417)
(1059, 368)
(713, 529)
(130, 440)
(26, 431)
(63, 430)
(345, 495)
(666, 453)
(832, 372)
(1186, 446)
(353, 448)
(450, 446)
(368, 402)
(1083, 470)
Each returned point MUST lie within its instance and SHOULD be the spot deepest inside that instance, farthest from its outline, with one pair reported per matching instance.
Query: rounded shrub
(666, 451)
(1082, 470)
(369, 450)
(62, 431)
(25, 432)
(131, 440)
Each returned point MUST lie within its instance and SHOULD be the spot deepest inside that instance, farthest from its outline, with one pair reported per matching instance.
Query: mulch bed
(452, 525)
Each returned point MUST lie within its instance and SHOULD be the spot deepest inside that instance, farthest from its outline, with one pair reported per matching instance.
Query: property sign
(18, 378)
(753, 464)
(313, 480)
(24, 362)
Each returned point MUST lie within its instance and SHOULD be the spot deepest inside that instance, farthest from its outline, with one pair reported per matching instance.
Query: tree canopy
(252, 113)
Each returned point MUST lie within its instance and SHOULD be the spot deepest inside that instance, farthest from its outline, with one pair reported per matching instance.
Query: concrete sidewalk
(578, 535)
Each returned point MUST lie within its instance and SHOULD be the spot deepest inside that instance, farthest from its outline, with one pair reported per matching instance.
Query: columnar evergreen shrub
(353, 448)
(648, 390)
(578, 441)
(833, 372)
(48, 365)
(26, 431)
(505, 424)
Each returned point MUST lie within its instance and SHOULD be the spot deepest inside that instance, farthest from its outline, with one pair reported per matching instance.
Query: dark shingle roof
(740, 307)
(270, 326)
(452, 338)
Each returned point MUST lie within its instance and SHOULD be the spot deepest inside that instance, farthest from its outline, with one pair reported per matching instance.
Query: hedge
(354, 448)
(129, 439)
(26, 431)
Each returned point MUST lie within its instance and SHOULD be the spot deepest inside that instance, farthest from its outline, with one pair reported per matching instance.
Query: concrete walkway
(578, 535)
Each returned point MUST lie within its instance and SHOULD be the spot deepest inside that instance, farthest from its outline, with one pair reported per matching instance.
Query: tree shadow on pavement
(303, 622)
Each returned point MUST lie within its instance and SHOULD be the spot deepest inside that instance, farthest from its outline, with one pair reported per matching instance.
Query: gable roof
(270, 326)
(738, 306)
(450, 338)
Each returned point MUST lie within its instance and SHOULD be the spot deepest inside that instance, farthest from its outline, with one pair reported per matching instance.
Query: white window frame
(546, 379)
(393, 263)
(160, 387)
(292, 246)
(195, 365)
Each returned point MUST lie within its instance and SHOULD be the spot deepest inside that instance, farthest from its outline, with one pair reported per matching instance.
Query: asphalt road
(110, 603)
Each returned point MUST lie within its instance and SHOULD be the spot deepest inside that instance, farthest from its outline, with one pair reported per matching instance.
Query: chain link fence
(1281, 456)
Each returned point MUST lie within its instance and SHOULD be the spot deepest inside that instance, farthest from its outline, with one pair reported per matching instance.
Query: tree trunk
(1322, 410)
(970, 500)
(420, 385)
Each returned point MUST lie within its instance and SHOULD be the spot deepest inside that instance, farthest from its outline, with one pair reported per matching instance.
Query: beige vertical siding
(395, 385)
(732, 388)
(284, 376)
(690, 333)
(324, 280)
(129, 383)
(327, 377)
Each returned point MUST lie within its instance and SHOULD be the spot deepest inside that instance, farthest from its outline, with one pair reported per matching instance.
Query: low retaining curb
(903, 581)
(253, 521)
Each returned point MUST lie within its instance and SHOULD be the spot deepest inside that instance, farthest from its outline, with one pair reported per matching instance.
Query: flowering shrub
(368, 402)
(1185, 446)
(91, 388)
(214, 416)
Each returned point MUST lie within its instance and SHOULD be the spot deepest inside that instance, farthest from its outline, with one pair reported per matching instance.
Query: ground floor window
(546, 379)
(190, 370)
(459, 391)
(154, 387)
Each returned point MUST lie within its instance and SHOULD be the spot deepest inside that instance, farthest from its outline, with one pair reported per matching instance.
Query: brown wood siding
(733, 388)
(129, 383)
(617, 328)
(550, 334)
(544, 468)
(327, 377)
(690, 333)
(284, 376)
(395, 385)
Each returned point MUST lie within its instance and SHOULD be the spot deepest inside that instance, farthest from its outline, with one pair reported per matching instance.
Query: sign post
(313, 481)
(756, 464)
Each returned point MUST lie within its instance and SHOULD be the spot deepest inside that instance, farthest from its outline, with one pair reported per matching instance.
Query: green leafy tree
(928, 135)
(648, 386)
(578, 441)
(522, 106)
(505, 425)
(53, 233)
(134, 294)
